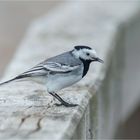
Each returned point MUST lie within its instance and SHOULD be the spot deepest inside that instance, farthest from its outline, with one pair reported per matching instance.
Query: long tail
(30, 73)
(16, 78)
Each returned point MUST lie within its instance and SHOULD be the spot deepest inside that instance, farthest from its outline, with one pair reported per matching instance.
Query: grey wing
(49, 67)
(59, 64)
(66, 58)
(34, 72)
(59, 68)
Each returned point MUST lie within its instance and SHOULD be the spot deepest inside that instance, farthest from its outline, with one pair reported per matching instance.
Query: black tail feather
(16, 78)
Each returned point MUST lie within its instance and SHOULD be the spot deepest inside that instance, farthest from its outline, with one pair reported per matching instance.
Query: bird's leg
(62, 101)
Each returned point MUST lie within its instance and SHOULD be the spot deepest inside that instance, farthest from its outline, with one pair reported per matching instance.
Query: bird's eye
(87, 54)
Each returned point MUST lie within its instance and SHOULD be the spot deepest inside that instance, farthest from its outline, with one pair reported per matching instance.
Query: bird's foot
(66, 104)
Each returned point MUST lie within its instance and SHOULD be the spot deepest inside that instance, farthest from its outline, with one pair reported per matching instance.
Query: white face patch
(86, 54)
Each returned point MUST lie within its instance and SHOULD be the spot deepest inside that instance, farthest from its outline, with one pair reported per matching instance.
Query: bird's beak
(98, 60)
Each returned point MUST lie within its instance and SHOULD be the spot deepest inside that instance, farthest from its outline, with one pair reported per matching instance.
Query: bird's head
(86, 53)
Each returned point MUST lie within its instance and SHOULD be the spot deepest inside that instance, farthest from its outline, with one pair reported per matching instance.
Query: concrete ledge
(24, 110)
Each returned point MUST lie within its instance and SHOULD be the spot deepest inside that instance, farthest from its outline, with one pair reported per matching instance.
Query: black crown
(81, 47)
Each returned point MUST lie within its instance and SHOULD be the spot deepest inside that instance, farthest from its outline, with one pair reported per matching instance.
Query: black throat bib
(86, 64)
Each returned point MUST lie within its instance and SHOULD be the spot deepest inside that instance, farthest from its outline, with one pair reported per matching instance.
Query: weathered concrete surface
(27, 113)
(24, 110)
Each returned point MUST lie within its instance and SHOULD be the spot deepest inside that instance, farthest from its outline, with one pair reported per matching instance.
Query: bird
(61, 71)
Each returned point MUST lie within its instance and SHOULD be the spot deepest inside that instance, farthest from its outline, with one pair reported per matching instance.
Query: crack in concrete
(23, 120)
(38, 124)
(37, 128)
(21, 123)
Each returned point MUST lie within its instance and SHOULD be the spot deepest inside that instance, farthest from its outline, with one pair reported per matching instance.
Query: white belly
(59, 81)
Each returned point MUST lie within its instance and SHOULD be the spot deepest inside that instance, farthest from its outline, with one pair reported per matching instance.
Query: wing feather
(44, 69)
(58, 67)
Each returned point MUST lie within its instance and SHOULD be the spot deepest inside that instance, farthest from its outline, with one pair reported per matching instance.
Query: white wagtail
(61, 71)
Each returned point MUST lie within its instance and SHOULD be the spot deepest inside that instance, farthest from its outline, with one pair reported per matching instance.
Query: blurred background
(16, 17)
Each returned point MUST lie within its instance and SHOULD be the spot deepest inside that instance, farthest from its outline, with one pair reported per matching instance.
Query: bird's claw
(66, 104)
